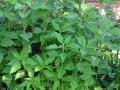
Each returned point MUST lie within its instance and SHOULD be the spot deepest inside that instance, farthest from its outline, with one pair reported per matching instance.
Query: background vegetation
(58, 45)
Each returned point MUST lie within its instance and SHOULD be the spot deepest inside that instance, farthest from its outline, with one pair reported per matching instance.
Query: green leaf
(74, 45)
(112, 46)
(56, 26)
(1, 56)
(89, 82)
(26, 36)
(24, 54)
(60, 73)
(36, 5)
(98, 88)
(25, 13)
(37, 30)
(59, 37)
(11, 16)
(6, 42)
(37, 68)
(54, 46)
(40, 61)
(69, 66)
(85, 68)
(1, 13)
(48, 74)
(68, 39)
(6, 78)
(92, 26)
(74, 84)
(15, 67)
(30, 70)
(48, 61)
(82, 41)
(56, 84)
(67, 26)
(19, 74)
(13, 1)
(10, 35)
(75, 4)
(52, 53)
(94, 61)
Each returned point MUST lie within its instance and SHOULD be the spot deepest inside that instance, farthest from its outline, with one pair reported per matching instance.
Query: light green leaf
(26, 36)
(11, 16)
(12, 1)
(37, 30)
(60, 73)
(7, 42)
(74, 84)
(56, 26)
(39, 59)
(112, 46)
(68, 39)
(94, 61)
(10, 35)
(59, 37)
(48, 74)
(91, 26)
(48, 61)
(15, 67)
(24, 54)
(19, 74)
(66, 26)
(98, 88)
(36, 5)
(56, 84)
(1, 13)
(30, 70)
(82, 41)
(74, 45)
(25, 13)
(54, 46)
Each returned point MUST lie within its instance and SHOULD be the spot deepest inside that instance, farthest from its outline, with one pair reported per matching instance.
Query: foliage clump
(57, 45)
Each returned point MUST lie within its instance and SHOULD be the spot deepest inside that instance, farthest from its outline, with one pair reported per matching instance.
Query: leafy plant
(57, 45)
